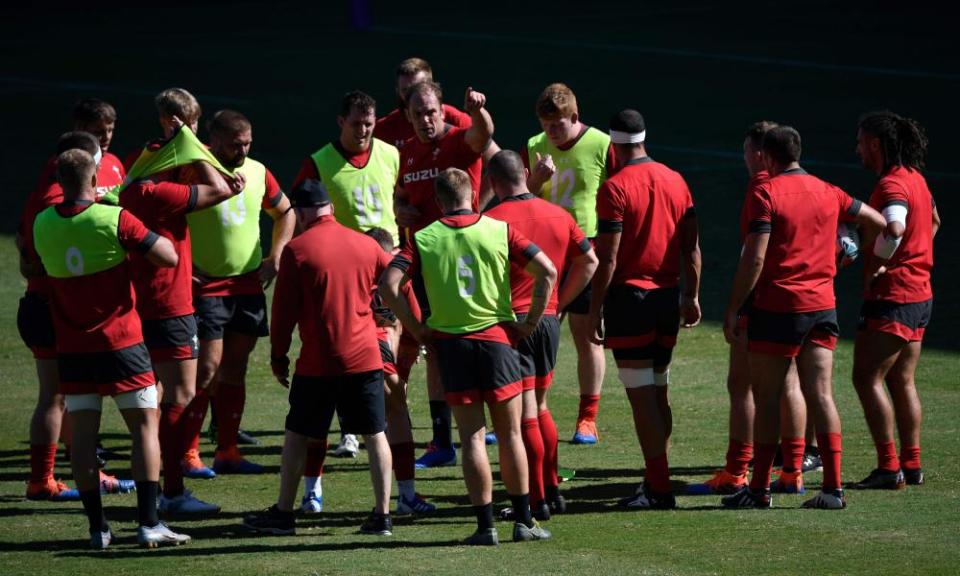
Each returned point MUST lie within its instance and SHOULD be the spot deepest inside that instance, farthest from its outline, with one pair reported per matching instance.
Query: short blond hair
(414, 66)
(180, 103)
(556, 101)
(453, 186)
(75, 169)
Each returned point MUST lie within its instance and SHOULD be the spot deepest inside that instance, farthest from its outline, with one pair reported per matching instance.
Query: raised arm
(480, 133)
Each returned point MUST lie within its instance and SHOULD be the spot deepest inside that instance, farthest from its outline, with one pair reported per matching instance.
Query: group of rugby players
(415, 234)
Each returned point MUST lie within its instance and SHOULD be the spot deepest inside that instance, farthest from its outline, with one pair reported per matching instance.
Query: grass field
(699, 74)
(909, 532)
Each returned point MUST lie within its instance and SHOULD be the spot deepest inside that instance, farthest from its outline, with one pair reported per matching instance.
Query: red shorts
(906, 321)
(785, 333)
(106, 373)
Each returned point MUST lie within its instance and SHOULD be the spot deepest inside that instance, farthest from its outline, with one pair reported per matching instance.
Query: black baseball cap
(309, 193)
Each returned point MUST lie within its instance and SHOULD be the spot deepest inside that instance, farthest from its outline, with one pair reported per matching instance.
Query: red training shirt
(421, 162)
(907, 278)
(163, 206)
(553, 230)
(396, 129)
(645, 201)
(96, 312)
(325, 285)
(801, 213)
(521, 252)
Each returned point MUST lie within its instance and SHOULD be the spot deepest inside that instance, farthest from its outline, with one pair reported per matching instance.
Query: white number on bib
(566, 180)
(464, 271)
(369, 206)
(74, 261)
(230, 218)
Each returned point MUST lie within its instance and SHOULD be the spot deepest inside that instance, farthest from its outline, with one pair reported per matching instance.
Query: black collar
(460, 212)
(641, 160)
(524, 196)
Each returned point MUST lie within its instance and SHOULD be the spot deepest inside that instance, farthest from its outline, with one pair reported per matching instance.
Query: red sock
(403, 460)
(887, 456)
(533, 442)
(762, 465)
(910, 457)
(548, 430)
(831, 447)
(658, 474)
(171, 447)
(589, 405)
(316, 455)
(230, 403)
(792, 449)
(739, 455)
(42, 457)
(194, 415)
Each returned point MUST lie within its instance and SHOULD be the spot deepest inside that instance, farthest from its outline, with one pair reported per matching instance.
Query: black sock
(814, 450)
(147, 503)
(93, 506)
(551, 492)
(521, 510)
(440, 415)
(484, 516)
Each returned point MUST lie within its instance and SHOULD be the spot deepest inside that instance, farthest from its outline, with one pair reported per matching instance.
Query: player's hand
(689, 312)
(280, 365)
(268, 271)
(384, 321)
(596, 329)
(544, 168)
(473, 100)
(730, 331)
(523, 329)
(407, 216)
(880, 272)
(237, 183)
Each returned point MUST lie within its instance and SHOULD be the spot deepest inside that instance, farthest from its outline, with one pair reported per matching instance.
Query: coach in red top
(898, 299)
(789, 261)
(647, 236)
(325, 285)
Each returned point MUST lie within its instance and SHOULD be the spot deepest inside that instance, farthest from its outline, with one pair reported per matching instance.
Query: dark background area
(700, 72)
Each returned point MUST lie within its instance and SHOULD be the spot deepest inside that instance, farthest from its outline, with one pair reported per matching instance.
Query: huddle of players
(479, 312)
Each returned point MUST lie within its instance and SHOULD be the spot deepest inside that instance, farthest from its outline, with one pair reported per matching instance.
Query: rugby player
(647, 237)
(733, 476)
(463, 260)
(435, 147)
(788, 263)
(100, 119)
(898, 298)
(325, 285)
(48, 425)
(100, 351)
(165, 303)
(567, 163)
(230, 273)
(555, 232)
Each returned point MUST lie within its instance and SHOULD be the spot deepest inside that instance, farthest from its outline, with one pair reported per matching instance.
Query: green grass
(880, 533)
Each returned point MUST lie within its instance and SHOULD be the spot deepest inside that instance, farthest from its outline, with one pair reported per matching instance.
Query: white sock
(407, 489)
(312, 486)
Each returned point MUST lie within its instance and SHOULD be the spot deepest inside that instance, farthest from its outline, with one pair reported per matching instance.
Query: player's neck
(776, 170)
(350, 149)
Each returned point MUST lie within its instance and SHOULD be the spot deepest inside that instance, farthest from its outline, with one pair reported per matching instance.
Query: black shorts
(642, 324)
(538, 352)
(245, 314)
(478, 370)
(106, 373)
(36, 325)
(785, 333)
(172, 338)
(906, 321)
(356, 398)
(581, 304)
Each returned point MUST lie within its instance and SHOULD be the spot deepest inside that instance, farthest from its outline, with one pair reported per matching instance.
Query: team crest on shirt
(409, 161)
(436, 152)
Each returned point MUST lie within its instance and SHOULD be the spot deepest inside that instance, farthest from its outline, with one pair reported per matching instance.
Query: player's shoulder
(389, 117)
(384, 147)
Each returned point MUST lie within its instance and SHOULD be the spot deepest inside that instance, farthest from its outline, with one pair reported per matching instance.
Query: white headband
(618, 137)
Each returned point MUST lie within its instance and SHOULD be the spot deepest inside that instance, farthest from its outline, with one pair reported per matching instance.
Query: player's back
(337, 268)
(907, 278)
(651, 200)
(803, 212)
(548, 226)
